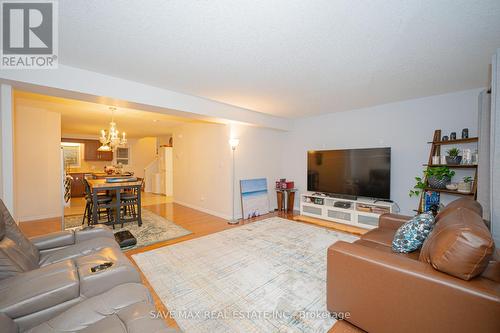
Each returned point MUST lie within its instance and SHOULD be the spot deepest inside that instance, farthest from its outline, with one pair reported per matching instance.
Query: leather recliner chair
(125, 308)
(44, 276)
(451, 285)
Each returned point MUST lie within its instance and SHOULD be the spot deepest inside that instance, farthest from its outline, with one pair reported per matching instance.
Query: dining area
(112, 200)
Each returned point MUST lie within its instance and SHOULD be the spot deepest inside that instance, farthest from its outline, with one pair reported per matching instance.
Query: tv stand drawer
(311, 210)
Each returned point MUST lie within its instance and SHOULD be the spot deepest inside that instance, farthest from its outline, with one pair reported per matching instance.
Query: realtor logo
(29, 34)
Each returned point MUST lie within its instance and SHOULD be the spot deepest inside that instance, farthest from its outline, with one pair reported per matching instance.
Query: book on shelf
(431, 199)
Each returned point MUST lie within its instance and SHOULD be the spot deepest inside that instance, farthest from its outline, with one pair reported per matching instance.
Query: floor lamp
(233, 143)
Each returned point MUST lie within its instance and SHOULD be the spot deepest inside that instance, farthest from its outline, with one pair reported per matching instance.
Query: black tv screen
(350, 172)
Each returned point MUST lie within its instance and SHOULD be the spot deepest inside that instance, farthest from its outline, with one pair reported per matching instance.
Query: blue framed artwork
(254, 197)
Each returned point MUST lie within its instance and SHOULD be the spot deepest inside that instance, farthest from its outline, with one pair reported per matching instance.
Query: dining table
(100, 185)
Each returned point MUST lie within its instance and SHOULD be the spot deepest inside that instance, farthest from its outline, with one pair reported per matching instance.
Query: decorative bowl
(452, 186)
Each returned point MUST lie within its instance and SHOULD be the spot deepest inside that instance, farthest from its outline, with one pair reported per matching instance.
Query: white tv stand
(363, 212)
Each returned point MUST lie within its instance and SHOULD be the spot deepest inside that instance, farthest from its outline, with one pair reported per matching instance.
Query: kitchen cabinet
(90, 151)
(92, 154)
(77, 186)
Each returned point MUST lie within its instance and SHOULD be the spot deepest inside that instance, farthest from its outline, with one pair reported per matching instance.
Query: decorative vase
(465, 133)
(464, 187)
(453, 160)
(453, 135)
(437, 183)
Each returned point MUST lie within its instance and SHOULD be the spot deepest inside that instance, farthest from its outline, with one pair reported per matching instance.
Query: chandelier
(111, 139)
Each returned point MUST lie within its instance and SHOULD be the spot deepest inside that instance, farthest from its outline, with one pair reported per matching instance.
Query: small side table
(286, 199)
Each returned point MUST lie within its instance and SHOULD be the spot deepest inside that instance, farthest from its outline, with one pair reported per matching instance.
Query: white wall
(6, 147)
(202, 164)
(37, 163)
(404, 126)
(142, 153)
(495, 147)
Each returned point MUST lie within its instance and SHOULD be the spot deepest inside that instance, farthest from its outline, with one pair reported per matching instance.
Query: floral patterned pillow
(411, 235)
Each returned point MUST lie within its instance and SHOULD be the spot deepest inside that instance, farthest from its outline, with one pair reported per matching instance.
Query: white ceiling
(286, 58)
(85, 118)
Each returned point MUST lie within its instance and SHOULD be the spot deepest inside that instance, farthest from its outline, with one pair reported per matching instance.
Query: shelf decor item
(431, 200)
(453, 157)
(439, 177)
(453, 135)
(466, 157)
(445, 138)
(465, 133)
(465, 186)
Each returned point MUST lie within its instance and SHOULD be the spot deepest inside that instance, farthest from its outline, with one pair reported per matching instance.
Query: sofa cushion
(412, 234)
(459, 245)
(13, 232)
(381, 236)
(467, 203)
(125, 308)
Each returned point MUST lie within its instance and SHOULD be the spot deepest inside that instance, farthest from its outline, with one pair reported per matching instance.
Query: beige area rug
(266, 276)
(154, 228)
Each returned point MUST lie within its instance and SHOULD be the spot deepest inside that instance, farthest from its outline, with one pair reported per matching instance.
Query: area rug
(266, 276)
(154, 228)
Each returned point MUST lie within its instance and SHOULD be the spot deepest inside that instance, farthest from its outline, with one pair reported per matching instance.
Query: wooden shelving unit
(459, 166)
(448, 191)
(436, 144)
(453, 142)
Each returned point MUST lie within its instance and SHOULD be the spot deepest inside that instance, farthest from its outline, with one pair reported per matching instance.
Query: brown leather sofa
(451, 285)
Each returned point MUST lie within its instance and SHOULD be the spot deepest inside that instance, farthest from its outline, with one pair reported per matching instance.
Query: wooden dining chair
(102, 200)
(131, 198)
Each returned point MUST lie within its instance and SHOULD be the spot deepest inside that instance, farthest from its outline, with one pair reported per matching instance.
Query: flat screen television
(350, 172)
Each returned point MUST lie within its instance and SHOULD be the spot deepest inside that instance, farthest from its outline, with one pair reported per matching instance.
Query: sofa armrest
(93, 232)
(387, 292)
(392, 221)
(94, 283)
(54, 240)
(39, 289)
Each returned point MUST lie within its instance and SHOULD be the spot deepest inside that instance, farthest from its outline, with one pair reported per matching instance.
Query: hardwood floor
(199, 223)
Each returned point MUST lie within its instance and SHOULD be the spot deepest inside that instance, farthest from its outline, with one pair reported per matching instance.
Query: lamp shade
(104, 148)
(233, 142)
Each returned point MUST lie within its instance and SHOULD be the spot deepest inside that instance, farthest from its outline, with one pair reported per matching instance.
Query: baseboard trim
(37, 217)
(204, 210)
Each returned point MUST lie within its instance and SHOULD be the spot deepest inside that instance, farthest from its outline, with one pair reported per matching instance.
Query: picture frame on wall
(254, 197)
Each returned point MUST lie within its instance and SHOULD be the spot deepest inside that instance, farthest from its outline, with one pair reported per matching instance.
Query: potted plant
(465, 186)
(453, 157)
(418, 188)
(439, 177)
